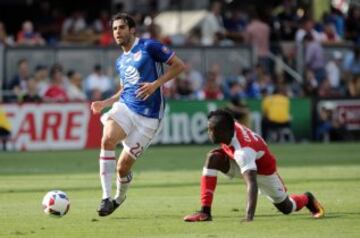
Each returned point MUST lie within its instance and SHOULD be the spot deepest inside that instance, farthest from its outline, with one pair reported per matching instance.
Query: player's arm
(245, 158)
(98, 106)
(176, 66)
(252, 192)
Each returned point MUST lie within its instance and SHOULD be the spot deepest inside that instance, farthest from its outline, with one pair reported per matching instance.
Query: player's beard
(126, 41)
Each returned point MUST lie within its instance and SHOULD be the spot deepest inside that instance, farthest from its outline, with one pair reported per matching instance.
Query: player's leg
(112, 134)
(295, 202)
(134, 145)
(124, 177)
(273, 187)
(216, 160)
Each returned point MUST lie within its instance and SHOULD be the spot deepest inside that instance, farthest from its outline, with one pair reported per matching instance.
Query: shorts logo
(137, 56)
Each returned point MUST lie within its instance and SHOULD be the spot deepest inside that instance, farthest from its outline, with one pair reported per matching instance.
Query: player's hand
(97, 107)
(145, 90)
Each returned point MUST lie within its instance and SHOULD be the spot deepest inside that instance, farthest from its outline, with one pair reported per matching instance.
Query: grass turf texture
(166, 187)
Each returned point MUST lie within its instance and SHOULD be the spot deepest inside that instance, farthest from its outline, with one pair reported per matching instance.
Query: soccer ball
(56, 203)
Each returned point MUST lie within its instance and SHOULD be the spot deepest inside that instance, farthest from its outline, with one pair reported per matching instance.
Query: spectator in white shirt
(97, 84)
(212, 26)
(333, 70)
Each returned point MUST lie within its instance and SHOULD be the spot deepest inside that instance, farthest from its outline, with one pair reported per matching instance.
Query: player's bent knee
(284, 207)
(108, 143)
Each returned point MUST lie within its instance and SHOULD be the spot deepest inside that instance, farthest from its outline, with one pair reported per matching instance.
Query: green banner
(185, 122)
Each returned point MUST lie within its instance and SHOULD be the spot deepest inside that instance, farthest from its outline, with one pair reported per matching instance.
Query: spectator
(235, 25)
(155, 32)
(101, 24)
(195, 78)
(314, 57)
(41, 76)
(212, 90)
(288, 21)
(257, 33)
(276, 114)
(329, 35)
(326, 91)
(354, 86)
(234, 88)
(5, 129)
(75, 91)
(183, 89)
(56, 91)
(307, 28)
(212, 26)
(97, 84)
(74, 24)
(333, 70)
(18, 83)
(252, 86)
(352, 25)
(27, 35)
(310, 84)
(324, 124)
(352, 63)
(5, 40)
(49, 22)
(329, 127)
(31, 94)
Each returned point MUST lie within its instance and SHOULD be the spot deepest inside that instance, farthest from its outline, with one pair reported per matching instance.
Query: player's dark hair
(127, 19)
(222, 119)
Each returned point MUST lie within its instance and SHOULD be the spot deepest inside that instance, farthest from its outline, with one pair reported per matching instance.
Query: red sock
(208, 185)
(300, 200)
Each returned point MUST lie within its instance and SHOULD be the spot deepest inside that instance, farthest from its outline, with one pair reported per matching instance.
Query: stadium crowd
(337, 77)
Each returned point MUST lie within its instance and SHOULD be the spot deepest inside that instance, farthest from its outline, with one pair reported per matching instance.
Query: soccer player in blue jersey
(137, 108)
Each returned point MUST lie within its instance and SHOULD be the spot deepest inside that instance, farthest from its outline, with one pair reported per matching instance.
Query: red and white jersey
(250, 151)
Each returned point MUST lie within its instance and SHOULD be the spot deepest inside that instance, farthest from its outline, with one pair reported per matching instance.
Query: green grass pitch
(166, 187)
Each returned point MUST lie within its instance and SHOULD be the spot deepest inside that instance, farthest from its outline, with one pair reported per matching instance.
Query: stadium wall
(60, 126)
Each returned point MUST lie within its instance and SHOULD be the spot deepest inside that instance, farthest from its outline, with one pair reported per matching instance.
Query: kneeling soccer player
(245, 153)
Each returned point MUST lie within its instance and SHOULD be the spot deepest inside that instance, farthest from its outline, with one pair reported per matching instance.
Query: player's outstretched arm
(176, 66)
(98, 106)
(252, 192)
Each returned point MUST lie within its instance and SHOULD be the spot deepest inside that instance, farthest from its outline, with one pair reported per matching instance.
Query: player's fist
(97, 106)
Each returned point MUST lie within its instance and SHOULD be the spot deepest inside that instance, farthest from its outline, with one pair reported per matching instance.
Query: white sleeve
(245, 158)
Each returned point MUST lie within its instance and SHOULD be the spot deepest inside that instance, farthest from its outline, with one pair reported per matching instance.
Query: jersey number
(136, 150)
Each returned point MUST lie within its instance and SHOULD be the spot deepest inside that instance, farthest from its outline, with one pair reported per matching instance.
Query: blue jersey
(143, 63)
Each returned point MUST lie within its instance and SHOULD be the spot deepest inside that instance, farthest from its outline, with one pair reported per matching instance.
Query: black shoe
(106, 207)
(116, 205)
(314, 206)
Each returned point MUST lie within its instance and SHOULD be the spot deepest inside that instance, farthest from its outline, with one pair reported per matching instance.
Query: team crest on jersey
(165, 49)
(137, 56)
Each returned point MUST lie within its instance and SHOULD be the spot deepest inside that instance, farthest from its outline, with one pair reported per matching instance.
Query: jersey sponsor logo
(137, 56)
(132, 75)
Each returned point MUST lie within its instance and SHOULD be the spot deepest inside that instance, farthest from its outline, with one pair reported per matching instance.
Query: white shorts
(140, 130)
(271, 186)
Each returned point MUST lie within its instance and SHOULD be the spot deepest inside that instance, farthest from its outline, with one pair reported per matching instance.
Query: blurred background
(289, 69)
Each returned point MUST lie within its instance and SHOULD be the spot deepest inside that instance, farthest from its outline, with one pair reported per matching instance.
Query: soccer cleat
(198, 216)
(106, 207)
(116, 205)
(314, 206)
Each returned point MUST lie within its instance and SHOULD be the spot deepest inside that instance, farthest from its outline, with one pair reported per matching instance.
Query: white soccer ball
(56, 203)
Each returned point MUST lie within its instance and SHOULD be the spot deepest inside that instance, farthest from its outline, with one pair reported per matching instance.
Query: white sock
(107, 164)
(122, 185)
